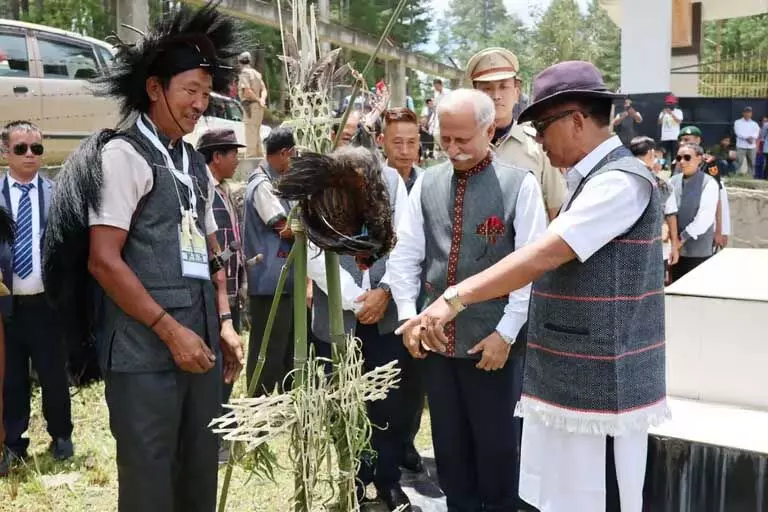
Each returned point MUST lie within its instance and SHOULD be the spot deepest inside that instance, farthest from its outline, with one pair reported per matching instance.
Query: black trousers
(670, 148)
(475, 433)
(279, 360)
(166, 454)
(31, 334)
(684, 265)
(416, 399)
(391, 423)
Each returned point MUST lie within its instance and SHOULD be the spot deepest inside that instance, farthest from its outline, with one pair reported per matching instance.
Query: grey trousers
(166, 454)
(749, 155)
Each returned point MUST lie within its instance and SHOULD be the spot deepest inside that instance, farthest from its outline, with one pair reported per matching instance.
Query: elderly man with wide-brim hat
(494, 71)
(594, 375)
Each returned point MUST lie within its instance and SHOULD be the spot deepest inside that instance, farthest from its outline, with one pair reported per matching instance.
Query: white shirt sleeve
(405, 261)
(530, 223)
(705, 216)
(608, 206)
(401, 212)
(725, 212)
(210, 219)
(670, 207)
(127, 178)
(316, 272)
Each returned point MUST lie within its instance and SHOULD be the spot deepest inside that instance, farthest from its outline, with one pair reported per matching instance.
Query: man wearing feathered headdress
(150, 234)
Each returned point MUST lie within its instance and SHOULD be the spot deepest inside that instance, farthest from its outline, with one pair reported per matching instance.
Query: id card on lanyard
(193, 251)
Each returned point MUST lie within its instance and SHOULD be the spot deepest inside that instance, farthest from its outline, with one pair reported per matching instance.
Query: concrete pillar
(646, 39)
(396, 79)
(324, 15)
(134, 13)
(685, 83)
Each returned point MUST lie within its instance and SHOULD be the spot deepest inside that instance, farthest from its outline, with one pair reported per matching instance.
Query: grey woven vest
(258, 238)
(153, 253)
(596, 329)
(320, 317)
(469, 226)
(688, 194)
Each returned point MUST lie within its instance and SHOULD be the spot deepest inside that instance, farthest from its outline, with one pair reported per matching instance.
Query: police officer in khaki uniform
(253, 95)
(493, 71)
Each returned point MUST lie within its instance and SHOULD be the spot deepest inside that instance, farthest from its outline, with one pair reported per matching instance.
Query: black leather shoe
(62, 449)
(412, 460)
(394, 498)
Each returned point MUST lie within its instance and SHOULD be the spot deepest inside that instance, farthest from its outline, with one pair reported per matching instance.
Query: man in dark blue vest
(464, 216)
(220, 150)
(162, 326)
(30, 327)
(266, 232)
(595, 375)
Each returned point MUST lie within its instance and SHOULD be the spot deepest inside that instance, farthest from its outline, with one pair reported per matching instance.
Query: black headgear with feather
(187, 39)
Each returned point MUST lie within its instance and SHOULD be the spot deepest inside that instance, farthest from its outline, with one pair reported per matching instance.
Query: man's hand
(189, 351)
(721, 240)
(430, 324)
(495, 352)
(674, 254)
(231, 351)
(374, 306)
(750, 139)
(263, 102)
(412, 342)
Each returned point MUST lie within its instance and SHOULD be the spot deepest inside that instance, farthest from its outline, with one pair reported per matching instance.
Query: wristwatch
(386, 288)
(451, 296)
(224, 317)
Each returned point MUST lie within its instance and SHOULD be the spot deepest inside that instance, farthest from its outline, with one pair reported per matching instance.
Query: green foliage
(88, 17)
(735, 36)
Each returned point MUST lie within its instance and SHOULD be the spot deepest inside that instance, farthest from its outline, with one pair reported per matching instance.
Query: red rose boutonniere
(491, 228)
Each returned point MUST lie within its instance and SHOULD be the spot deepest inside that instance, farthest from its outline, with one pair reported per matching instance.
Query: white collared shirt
(404, 266)
(745, 128)
(350, 291)
(33, 284)
(608, 205)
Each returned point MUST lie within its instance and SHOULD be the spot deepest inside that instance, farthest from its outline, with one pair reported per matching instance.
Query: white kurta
(562, 471)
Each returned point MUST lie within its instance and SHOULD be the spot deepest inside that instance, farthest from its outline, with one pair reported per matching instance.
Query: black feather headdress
(344, 202)
(185, 40)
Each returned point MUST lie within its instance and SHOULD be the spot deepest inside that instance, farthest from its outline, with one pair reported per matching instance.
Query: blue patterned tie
(22, 248)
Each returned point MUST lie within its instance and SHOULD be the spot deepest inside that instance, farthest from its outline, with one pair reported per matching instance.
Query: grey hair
(17, 126)
(485, 110)
(695, 147)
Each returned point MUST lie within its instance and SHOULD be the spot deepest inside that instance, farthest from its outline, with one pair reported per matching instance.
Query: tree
(468, 27)
(735, 36)
(605, 44)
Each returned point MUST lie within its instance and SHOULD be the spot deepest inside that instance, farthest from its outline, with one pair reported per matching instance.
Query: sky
(519, 7)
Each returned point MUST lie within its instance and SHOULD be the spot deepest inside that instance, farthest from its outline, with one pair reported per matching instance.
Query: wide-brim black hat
(563, 82)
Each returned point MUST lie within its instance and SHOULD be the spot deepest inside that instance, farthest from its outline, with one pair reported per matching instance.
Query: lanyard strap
(182, 176)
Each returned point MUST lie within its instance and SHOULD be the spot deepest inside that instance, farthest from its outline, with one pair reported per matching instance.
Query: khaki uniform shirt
(519, 148)
(250, 79)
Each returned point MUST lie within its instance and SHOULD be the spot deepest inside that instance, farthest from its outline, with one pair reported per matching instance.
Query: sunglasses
(687, 158)
(21, 149)
(542, 124)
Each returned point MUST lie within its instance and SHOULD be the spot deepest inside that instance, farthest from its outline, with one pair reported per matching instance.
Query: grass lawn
(88, 482)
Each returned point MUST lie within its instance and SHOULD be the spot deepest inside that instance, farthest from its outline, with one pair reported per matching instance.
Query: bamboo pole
(256, 375)
(299, 300)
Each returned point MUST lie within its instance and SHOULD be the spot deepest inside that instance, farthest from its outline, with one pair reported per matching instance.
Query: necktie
(22, 248)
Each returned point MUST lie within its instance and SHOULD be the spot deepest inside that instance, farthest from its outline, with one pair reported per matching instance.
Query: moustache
(462, 157)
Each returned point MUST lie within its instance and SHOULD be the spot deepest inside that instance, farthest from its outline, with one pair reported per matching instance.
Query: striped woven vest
(595, 359)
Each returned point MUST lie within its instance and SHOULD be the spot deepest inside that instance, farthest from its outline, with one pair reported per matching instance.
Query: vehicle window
(216, 108)
(67, 61)
(14, 60)
(234, 111)
(105, 55)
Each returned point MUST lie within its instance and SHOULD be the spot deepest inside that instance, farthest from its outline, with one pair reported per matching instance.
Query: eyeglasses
(21, 149)
(542, 124)
(687, 158)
